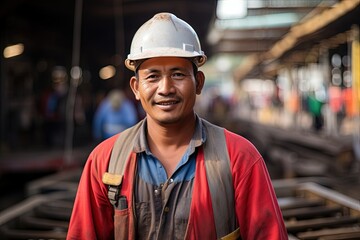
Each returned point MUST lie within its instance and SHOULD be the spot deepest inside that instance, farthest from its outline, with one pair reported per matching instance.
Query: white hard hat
(165, 35)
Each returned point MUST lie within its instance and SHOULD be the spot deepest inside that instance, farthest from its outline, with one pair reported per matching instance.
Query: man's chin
(168, 121)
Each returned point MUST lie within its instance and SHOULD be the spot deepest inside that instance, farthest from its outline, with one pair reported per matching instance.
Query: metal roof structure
(325, 25)
(48, 29)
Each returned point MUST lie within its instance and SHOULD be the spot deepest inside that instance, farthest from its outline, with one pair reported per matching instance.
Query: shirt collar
(198, 138)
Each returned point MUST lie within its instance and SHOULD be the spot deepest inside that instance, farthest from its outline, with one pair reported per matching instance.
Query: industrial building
(285, 74)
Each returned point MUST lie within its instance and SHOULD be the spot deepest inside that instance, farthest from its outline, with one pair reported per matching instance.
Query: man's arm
(257, 209)
(92, 215)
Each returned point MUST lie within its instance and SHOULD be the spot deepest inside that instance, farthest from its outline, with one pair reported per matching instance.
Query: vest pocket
(121, 224)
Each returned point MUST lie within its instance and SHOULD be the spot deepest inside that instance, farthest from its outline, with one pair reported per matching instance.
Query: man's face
(167, 88)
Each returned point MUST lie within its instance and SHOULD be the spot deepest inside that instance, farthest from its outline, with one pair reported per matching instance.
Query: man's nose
(166, 85)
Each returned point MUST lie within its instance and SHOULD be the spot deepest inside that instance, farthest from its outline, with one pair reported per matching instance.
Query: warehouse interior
(283, 74)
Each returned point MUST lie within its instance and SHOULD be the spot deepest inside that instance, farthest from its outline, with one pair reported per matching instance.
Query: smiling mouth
(167, 103)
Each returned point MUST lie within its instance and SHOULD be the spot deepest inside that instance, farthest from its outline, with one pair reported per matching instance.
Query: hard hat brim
(130, 62)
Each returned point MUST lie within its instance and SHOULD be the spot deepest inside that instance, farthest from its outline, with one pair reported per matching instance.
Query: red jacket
(256, 206)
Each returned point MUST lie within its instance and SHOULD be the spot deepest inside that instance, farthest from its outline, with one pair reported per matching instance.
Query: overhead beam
(243, 46)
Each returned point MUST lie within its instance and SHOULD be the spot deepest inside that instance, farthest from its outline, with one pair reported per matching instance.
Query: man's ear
(134, 85)
(200, 80)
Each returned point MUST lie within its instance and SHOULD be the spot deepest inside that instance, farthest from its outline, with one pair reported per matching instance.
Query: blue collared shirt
(162, 204)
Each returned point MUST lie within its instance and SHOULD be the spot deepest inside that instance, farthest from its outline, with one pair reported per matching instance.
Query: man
(183, 178)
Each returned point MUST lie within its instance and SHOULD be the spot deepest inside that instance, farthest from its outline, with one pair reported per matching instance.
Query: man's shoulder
(229, 135)
(240, 144)
(105, 147)
(234, 141)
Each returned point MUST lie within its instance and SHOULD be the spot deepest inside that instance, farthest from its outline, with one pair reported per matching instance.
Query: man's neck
(168, 142)
(170, 134)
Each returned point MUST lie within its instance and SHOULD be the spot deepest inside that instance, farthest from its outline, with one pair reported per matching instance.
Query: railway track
(38, 217)
(310, 210)
(45, 214)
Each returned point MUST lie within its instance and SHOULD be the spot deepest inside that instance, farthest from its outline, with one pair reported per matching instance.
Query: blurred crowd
(39, 121)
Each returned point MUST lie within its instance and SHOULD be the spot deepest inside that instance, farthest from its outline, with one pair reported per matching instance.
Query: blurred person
(55, 108)
(218, 110)
(315, 108)
(173, 175)
(114, 114)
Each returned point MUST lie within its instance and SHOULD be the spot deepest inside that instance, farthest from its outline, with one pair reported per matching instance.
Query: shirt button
(171, 180)
(166, 209)
(156, 192)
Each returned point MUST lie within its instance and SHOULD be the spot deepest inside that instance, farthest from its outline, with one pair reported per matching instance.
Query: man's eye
(178, 76)
(152, 77)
